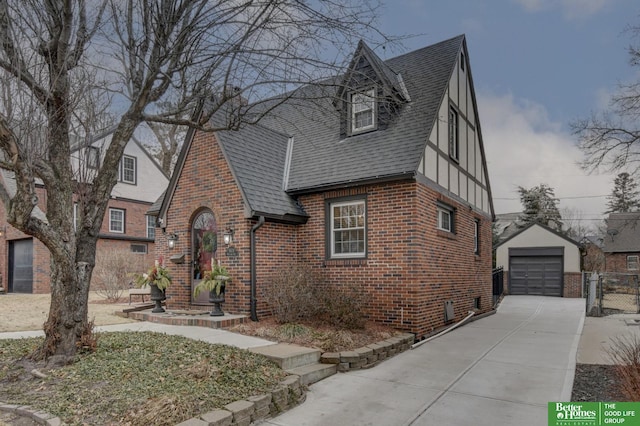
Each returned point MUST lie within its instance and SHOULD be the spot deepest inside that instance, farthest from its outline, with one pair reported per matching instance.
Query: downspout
(253, 300)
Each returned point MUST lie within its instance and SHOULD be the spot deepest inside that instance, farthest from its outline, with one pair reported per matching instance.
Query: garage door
(539, 274)
(21, 266)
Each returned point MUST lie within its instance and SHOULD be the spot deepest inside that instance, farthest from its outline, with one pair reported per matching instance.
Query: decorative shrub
(625, 354)
(344, 306)
(113, 272)
(293, 293)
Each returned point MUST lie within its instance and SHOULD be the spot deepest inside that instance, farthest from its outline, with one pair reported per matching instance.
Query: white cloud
(572, 9)
(524, 147)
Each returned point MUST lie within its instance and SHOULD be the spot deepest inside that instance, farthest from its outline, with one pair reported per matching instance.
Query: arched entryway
(204, 246)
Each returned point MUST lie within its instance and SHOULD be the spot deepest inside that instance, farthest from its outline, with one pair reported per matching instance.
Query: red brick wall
(572, 284)
(617, 262)
(411, 268)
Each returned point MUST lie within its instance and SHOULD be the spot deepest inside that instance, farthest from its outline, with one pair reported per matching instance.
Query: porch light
(227, 236)
(2, 231)
(171, 240)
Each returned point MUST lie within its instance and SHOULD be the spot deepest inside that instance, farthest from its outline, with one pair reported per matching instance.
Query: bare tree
(611, 139)
(134, 56)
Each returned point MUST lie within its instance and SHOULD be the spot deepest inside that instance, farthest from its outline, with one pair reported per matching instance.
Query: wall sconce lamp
(2, 231)
(171, 240)
(227, 236)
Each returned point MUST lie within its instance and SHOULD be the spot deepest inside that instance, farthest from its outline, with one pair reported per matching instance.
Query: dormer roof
(390, 79)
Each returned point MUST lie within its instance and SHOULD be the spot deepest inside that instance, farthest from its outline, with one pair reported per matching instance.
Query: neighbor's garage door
(536, 271)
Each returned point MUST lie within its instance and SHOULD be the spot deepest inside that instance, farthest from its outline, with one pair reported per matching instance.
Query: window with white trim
(476, 236)
(363, 115)
(445, 218)
(116, 220)
(348, 229)
(454, 148)
(128, 169)
(632, 263)
(151, 227)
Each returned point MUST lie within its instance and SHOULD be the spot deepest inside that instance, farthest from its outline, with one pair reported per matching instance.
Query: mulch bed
(596, 383)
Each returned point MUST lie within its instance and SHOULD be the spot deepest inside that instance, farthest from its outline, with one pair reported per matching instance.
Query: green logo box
(594, 413)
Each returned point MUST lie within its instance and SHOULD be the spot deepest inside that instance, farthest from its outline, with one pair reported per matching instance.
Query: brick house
(126, 226)
(384, 185)
(621, 245)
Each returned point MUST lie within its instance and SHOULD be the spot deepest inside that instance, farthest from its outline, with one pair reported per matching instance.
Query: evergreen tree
(540, 206)
(624, 197)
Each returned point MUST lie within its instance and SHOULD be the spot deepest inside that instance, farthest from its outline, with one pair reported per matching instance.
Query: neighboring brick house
(126, 226)
(384, 186)
(541, 261)
(622, 243)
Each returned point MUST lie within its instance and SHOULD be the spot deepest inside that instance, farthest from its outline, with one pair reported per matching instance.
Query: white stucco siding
(537, 236)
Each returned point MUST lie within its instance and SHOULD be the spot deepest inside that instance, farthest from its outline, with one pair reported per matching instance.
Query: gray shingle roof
(257, 157)
(322, 159)
(623, 233)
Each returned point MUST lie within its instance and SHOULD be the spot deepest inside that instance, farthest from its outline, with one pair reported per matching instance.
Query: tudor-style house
(383, 184)
(126, 226)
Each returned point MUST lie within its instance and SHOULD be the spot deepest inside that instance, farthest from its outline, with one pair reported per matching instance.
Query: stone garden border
(370, 355)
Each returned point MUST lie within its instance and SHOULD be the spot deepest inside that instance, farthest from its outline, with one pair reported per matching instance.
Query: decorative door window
(205, 245)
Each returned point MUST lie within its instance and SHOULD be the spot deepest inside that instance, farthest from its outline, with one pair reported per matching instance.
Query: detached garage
(540, 261)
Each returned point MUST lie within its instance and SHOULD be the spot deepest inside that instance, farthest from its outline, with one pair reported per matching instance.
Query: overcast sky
(537, 65)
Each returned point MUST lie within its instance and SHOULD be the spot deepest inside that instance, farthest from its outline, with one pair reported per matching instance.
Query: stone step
(289, 356)
(312, 373)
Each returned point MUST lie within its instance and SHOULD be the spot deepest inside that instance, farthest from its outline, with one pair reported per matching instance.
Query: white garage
(536, 261)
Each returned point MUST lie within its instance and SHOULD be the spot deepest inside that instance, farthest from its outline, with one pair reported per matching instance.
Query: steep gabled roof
(257, 157)
(392, 80)
(623, 233)
(298, 147)
(546, 228)
(322, 159)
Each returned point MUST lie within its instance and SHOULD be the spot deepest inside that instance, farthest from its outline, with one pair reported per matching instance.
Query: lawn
(135, 378)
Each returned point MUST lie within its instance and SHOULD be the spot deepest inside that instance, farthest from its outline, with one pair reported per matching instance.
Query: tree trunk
(67, 324)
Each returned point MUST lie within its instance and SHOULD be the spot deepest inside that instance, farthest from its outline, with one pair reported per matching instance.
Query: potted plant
(214, 281)
(158, 279)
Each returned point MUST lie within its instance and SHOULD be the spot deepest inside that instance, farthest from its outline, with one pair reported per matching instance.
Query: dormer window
(363, 116)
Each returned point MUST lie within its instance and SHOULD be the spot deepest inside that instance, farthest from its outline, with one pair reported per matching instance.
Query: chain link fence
(610, 293)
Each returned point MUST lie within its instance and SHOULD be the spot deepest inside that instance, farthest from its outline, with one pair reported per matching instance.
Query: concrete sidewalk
(205, 334)
(499, 370)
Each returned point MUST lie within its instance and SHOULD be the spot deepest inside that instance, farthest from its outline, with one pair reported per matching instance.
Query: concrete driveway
(499, 370)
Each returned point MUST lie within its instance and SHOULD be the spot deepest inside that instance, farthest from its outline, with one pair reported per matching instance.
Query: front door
(204, 237)
(21, 266)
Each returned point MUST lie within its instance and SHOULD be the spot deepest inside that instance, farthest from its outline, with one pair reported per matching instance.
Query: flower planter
(217, 299)
(157, 296)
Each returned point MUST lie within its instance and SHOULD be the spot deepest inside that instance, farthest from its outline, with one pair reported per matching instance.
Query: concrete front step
(289, 356)
(312, 373)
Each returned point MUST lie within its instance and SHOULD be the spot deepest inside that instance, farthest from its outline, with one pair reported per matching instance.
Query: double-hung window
(445, 218)
(151, 227)
(116, 221)
(128, 172)
(632, 263)
(348, 221)
(363, 115)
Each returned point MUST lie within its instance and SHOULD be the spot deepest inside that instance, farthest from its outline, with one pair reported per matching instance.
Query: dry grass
(625, 354)
(316, 334)
(24, 312)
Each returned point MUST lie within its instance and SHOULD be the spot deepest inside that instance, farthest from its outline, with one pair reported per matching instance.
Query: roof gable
(543, 227)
